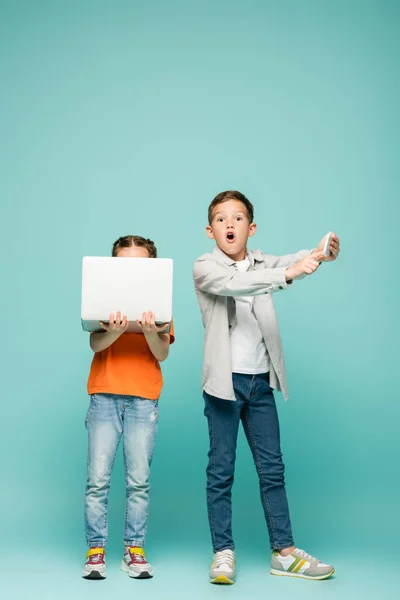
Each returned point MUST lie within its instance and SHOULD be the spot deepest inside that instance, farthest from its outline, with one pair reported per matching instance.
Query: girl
(124, 385)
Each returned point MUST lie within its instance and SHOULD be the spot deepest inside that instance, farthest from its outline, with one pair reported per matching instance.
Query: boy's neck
(237, 256)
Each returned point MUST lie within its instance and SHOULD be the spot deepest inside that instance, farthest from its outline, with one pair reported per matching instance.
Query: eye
(220, 219)
(238, 218)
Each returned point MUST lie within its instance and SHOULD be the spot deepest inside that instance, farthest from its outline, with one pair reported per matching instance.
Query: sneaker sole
(95, 575)
(142, 575)
(222, 580)
(299, 576)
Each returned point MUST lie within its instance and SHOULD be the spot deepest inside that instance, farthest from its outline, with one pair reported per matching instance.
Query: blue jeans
(255, 407)
(108, 417)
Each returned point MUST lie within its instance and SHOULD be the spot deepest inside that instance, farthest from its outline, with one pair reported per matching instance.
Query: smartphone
(327, 244)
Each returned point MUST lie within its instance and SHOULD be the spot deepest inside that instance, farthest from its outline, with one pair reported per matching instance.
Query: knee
(138, 481)
(273, 474)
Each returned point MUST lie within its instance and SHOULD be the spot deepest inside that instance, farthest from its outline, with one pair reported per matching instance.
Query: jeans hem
(134, 543)
(97, 544)
(232, 547)
(282, 546)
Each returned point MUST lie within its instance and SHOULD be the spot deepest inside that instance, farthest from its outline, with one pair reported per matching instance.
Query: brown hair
(128, 241)
(231, 195)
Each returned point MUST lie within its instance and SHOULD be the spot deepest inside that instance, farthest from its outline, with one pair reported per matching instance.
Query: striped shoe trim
(301, 564)
(294, 564)
(92, 551)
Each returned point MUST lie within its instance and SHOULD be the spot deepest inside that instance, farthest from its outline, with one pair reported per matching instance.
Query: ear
(252, 229)
(210, 232)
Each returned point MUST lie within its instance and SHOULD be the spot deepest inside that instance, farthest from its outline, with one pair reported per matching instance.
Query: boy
(124, 384)
(243, 363)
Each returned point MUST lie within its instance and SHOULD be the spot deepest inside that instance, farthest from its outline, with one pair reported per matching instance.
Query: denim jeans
(255, 407)
(108, 417)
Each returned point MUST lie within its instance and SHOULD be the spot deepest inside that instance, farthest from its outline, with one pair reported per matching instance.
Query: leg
(104, 425)
(261, 426)
(140, 428)
(223, 423)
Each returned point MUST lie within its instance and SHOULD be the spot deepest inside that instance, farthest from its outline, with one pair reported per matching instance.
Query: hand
(334, 249)
(305, 266)
(116, 325)
(148, 324)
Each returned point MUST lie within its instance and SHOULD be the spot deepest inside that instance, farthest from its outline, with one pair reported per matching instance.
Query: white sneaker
(95, 565)
(299, 564)
(223, 567)
(135, 564)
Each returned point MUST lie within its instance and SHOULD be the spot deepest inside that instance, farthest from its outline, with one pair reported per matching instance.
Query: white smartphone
(327, 244)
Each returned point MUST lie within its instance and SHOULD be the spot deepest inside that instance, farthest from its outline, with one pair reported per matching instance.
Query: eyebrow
(222, 214)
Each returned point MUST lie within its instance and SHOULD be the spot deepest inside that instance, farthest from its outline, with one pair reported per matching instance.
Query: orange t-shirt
(127, 368)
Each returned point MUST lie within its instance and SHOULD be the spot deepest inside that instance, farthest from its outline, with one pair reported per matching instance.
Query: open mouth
(230, 237)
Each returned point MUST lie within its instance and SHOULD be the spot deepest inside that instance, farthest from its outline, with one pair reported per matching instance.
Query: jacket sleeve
(213, 278)
(274, 262)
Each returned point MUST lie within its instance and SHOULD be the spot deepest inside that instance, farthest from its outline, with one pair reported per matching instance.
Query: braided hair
(128, 241)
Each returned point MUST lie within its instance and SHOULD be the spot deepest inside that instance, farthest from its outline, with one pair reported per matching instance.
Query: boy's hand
(305, 266)
(334, 249)
(116, 325)
(148, 324)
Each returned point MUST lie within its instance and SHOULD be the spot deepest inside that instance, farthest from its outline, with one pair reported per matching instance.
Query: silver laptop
(129, 285)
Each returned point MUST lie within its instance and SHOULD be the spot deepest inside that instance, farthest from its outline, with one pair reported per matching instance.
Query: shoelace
(225, 557)
(307, 556)
(95, 558)
(138, 558)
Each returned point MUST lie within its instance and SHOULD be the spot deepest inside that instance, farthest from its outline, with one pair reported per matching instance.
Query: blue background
(128, 117)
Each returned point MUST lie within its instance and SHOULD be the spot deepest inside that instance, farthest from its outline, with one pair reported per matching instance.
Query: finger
(105, 327)
(118, 318)
(161, 328)
(112, 321)
(139, 323)
(124, 322)
(152, 319)
(318, 256)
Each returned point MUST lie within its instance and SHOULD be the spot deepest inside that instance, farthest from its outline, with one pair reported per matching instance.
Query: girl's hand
(116, 325)
(334, 249)
(148, 324)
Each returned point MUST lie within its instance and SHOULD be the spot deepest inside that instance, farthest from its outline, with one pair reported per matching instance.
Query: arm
(215, 279)
(101, 340)
(222, 281)
(157, 341)
(115, 328)
(274, 262)
(158, 344)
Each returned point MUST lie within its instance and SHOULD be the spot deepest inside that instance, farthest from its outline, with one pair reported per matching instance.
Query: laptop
(129, 285)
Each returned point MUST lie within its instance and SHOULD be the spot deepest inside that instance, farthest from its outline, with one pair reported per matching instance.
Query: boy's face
(230, 228)
(133, 252)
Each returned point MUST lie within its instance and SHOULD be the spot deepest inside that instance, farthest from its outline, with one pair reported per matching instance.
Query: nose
(229, 226)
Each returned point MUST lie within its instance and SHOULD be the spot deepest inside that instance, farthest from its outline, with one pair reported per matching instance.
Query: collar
(223, 258)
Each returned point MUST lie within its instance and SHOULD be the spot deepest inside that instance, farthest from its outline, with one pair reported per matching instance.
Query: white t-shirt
(248, 351)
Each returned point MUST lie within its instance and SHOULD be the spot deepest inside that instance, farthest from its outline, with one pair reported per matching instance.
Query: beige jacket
(217, 281)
